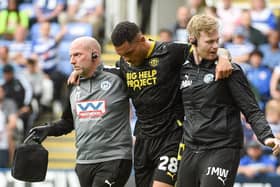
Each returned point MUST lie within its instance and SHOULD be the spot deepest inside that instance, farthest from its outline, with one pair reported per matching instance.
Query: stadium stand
(62, 149)
(35, 29)
(76, 29)
(63, 54)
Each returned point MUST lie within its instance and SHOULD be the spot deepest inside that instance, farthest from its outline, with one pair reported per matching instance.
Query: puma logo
(172, 175)
(109, 183)
(223, 180)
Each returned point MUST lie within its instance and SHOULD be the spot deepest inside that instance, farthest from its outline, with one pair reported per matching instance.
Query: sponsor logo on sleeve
(186, 82)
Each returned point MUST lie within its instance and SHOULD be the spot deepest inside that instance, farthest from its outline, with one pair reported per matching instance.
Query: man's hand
(74, 78)
(250, 172)
(274, 143)
(40, 132)
(224, 67)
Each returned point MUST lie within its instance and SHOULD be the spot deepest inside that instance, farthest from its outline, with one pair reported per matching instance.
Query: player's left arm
(245, 100)
(224, 66)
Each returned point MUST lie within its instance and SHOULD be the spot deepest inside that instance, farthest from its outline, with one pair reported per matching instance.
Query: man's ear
(193, 40)
(142, 38)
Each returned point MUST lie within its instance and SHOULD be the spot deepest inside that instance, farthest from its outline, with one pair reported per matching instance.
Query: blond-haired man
(212, 129)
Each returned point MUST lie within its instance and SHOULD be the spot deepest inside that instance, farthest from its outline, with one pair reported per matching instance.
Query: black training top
(212, 108)
(154, 89)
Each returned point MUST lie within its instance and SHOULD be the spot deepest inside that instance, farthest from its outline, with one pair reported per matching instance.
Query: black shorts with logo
(204, 168)
(114, 173)
(155, 159)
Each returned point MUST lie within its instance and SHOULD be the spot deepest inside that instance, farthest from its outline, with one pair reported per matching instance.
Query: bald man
(98, 110)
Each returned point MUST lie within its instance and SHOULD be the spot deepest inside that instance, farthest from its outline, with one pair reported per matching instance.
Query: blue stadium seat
(3, 4)
(35, 30)
(75, 30)
(64, 65)
(29, 8)
(4, 42)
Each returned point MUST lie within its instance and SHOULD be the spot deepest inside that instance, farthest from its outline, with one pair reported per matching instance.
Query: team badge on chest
(154, 62)
(105, 85)
(208, 78)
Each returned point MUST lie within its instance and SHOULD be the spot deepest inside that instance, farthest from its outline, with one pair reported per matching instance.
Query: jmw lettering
(217, 171)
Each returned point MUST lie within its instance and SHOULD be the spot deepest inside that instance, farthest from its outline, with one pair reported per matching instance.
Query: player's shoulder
(173, 47)
(111, 69)
(236, 67)
(177, 44)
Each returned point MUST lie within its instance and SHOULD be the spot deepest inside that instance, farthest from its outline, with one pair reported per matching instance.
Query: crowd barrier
(68, 178)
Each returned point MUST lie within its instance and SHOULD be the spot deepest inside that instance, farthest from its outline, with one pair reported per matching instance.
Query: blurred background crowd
(34, 60)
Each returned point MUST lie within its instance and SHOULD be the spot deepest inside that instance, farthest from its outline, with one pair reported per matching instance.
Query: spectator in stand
(255, 163)
(48, 10)
(86, 11)
(275, 83)
(247, 130)
(240, 48)
(165, 35)
(68, 14)
(183, 15)
(263, 18)
(259, 77)
(212, 11)
(23, 109)
(4, 60)
(15, 90)
(10, 18)
(20, 48)
(25, 1)
(255, 36)
(271, 50)
(42, 87)
(272, 113)
(45, 47)
(196, 6)
(8, 119)
(228, 15)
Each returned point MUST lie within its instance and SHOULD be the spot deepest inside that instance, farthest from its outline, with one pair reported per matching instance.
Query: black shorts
(215, 168)
(113, 173)
(155, 159)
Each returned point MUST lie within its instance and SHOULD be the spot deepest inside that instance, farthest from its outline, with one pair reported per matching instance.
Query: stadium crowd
(34, 62)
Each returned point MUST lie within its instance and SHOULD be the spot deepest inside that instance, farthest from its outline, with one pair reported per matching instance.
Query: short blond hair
(202, 23)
